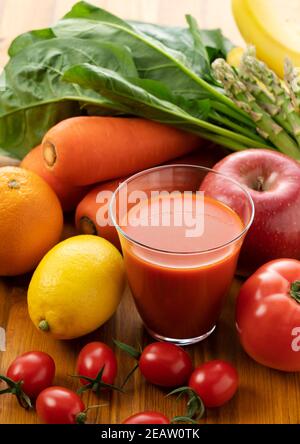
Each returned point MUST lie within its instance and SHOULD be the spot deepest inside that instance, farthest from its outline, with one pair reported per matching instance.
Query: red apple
(273, 181)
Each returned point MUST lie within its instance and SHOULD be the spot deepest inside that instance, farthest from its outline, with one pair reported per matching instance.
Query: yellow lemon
(76, 287)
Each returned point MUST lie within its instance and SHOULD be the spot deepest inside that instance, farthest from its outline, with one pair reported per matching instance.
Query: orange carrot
(86, 150)
(69, 196)
(91, 216)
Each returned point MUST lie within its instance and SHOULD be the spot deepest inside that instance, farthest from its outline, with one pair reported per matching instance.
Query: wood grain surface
(265, 396)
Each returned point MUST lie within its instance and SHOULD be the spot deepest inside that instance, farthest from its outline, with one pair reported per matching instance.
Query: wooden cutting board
(264, 396)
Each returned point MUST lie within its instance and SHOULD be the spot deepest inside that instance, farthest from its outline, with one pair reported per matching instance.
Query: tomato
(36, 370)
(98, 362)
(29, 374)
(166, 365)
(215, 382)
(147, 418)
(59, 405)
(268, 315)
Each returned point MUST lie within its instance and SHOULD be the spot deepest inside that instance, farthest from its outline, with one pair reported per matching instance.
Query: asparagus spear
(266, 125)
(264, 97)
(279, 104)
(292, 78)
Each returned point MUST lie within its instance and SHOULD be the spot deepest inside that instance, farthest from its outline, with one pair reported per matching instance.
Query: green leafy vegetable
(153, 59)
(143, 103)
(28, 38)
(36, 98)
(118, 67)
(200, 52)
(180, 39)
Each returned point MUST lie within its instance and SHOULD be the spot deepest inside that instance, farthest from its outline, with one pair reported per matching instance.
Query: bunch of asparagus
(273, 104)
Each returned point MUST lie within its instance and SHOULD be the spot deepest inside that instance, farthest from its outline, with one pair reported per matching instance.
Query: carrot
(86, 150)
(68, 195)
(91, 215)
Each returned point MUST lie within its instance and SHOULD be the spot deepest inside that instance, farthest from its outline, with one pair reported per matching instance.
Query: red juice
(179, 282)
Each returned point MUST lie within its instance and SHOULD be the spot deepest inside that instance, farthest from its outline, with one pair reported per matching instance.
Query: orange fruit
(31, 220)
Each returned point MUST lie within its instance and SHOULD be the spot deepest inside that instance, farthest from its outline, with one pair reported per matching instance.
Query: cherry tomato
(147, 418)
(215, 382)
(268, 315)
(35, 369)
(94, 358)
(59, 405)
(165, 364)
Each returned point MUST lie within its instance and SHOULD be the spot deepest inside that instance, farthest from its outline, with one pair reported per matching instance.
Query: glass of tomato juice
(180, 246)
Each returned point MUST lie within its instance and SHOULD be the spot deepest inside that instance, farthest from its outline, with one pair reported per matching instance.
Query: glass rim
(182, 253)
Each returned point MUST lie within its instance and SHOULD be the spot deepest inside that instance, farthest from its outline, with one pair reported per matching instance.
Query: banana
(234, 57)
(273, 27)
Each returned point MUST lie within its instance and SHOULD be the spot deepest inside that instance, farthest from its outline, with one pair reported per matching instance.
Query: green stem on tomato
(15, 388)
(295, 291)
(96, 384)
(195, 406)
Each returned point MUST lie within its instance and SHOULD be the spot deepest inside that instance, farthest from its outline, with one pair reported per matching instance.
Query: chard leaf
(174, 37)
(143, 103)
(180, 39)
(153, 60)
(28, 38)
(200, 54)
(127, 90)
(217, 45)
(174, 66)
(35, 97)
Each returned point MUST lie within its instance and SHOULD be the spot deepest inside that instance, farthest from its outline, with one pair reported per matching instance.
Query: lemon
(76, 287)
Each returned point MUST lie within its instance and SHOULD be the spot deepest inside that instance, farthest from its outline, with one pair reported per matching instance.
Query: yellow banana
(235, 55)
(273, 27)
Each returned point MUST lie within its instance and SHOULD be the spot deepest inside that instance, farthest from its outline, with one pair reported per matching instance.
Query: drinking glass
(178, 277)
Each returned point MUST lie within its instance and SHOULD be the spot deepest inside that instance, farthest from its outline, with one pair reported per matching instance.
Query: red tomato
(92, 359)
(35, 369)
(147, 418)
(215, 382)
(165, 364)
(58, 405)
(268, 315)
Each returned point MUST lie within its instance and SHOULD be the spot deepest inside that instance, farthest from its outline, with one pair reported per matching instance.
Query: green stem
(132, 371)
(247, 141)
(234, 114)
(264, 81)
(295, 291)
(115, 86)
(228, 143)
(8, 390)
(235, 126)
(96, 384)
(266, 125)
(130, 351)
(191, 74)
(195, 406)
(43, 325)
(15, 388)
(81, 418)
